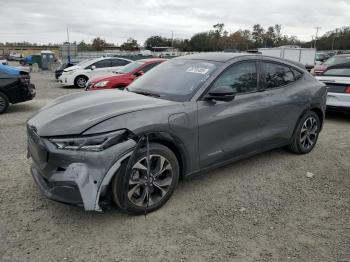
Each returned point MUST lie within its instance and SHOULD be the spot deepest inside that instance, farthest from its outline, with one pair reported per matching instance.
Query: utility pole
(68, 47)
(172, 41)
(312, 39)
(317, 28)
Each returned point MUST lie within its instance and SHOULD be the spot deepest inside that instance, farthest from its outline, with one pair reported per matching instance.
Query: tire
(4, 103)
(130, 188)
(306, 134)
(80, 81)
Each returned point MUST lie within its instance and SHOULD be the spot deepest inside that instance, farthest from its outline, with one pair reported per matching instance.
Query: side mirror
(139, 73)
(93, 67)
(221, 93)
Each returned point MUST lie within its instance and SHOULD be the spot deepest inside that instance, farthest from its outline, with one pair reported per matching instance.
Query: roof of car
(224, 57)
(149, 60)
(215, 56)
(342, 55)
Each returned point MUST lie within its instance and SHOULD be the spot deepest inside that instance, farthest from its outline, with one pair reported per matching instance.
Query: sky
(45, 21)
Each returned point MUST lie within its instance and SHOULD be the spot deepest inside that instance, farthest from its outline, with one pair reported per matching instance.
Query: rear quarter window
(274, 75)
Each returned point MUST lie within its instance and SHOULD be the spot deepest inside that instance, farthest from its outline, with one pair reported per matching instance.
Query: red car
(124, 76)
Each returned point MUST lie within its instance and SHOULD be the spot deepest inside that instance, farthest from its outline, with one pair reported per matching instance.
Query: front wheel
(306, 134)
(137, 193)
(4, 103)
(80, 81)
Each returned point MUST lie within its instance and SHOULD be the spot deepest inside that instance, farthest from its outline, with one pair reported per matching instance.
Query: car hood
(71, 68)
(105, 77)
(75, 113)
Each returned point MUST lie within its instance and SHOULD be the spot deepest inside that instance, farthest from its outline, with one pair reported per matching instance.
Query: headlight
(101, 84)
(95, 143)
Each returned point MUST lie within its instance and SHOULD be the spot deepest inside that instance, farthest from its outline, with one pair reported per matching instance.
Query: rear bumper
(338, 100)
(24, 94)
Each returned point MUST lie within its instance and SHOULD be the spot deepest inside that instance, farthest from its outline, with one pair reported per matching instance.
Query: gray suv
(188, 115)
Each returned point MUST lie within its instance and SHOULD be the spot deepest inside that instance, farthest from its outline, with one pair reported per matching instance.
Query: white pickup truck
(305, 56)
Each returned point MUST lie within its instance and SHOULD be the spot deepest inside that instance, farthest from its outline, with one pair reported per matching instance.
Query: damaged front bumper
(74, 177)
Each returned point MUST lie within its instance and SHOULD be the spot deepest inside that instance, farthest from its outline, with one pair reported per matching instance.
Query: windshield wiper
(145, 93)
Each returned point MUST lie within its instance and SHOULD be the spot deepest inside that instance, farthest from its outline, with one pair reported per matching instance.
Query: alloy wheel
(308, 133)
(81, 82)
(144, 191)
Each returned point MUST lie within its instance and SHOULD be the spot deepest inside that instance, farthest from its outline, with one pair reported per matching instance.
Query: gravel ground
(264, 208)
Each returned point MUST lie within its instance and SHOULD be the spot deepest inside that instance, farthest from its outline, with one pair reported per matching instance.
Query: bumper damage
(75, 178)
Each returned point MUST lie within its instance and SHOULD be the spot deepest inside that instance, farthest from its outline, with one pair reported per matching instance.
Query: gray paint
(205, 133)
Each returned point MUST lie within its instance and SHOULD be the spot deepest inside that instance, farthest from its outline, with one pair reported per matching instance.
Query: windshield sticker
(197, 70)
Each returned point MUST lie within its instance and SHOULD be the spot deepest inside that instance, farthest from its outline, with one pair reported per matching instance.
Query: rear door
(282, 89)
(101, 67)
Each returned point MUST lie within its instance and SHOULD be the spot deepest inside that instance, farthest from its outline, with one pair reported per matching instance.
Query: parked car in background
(15, 87)
(78, 75)
(334, 60)
(337, 79)
(3, 61)
(187, 115)
(124, 76)
(321, 57)
(15, 57)
(340, 52)
(59, 71)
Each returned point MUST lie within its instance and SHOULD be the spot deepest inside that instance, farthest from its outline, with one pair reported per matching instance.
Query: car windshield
(176, 80)
(335, 60)
(130, 67)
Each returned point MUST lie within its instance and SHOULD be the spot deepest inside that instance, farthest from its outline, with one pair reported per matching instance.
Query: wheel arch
(314, 109)
(320, 115)
(80, 75)
(174, 144)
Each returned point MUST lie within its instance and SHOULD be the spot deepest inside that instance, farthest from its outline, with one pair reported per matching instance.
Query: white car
(337, 79)
(3, 62)
(79, 74)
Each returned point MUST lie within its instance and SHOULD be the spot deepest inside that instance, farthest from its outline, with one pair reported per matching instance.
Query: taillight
(347, 90)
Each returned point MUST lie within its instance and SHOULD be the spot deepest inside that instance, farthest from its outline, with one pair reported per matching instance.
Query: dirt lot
(261, 209)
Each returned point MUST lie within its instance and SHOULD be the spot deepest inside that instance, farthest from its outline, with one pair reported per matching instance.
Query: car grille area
(36, 147)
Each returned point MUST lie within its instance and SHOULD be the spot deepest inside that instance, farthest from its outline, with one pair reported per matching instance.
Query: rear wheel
(80, 81)
(137, 193)
(306, 134)
(4, 103)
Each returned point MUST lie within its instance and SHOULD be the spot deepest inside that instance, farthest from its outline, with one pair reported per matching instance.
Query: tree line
(219, 39)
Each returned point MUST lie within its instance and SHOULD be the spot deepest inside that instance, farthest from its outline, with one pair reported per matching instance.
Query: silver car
(186, 116)
(337, 79)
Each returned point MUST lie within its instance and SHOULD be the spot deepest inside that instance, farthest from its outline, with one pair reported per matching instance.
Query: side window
(275, 75)
(297, 75)
(242, 78)
(119, 62)
(102, 63)
(149, 67)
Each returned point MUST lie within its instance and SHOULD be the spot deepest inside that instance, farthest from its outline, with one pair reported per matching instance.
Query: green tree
(157, 41)
(130, 45)
(98, 44)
